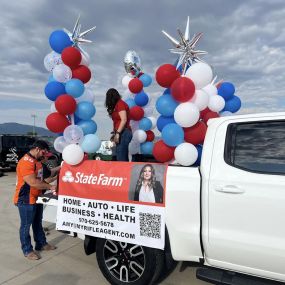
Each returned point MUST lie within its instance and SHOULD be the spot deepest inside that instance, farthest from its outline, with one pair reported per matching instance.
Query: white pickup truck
(227, 216)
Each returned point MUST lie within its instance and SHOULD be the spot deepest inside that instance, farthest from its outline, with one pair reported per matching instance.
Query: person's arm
(123, 117)
(33, 181)
(50, 179)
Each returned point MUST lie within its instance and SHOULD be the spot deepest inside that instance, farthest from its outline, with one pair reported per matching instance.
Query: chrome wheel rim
(126, 262)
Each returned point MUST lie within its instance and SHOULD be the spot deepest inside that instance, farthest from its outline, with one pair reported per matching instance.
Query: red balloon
(166, 74)
(182, 89)
(163, 152)
(135, 85)
(204, 112)
(149, 136)
(57, 122)
(71, 57)
(210, 115)
(82, 73)
(195, 134)
(136, 113)
(65, 104)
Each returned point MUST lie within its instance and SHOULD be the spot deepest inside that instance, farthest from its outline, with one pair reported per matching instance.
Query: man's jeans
(122, 149)
(31, 215)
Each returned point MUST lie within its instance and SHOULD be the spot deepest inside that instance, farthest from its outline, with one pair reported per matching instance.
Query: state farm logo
(93, 179)
(68, 177)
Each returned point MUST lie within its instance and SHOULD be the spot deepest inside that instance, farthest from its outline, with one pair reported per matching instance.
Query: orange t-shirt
(25, 194)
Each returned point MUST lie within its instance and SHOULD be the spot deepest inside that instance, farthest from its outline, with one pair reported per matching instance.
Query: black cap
(40, 144)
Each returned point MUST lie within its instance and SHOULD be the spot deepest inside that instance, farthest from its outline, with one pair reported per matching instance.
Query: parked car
(13, 147)
(226, 217)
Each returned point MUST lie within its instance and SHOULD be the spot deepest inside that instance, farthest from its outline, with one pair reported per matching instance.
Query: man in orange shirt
(29, 185)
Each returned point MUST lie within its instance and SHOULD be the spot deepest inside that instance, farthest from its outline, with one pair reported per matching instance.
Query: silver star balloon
(77, 36)
(186, 47)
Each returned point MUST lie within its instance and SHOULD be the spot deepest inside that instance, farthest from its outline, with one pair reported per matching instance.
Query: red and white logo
(68, 177)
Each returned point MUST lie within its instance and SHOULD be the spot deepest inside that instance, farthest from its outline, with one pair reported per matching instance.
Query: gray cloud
(245, 41)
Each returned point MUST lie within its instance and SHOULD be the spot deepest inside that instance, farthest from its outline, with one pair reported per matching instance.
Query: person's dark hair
(40, 144)
(141, 177)
(112, 97)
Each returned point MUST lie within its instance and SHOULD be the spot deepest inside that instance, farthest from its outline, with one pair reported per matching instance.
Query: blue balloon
(131, 102)
(76, 119)
(88, 126)
(199, 149)
(91, 143)
(146, 147)
(59, 40)
(85, 110)
(226, 90)
(145, 79)
(74, 87)
(172, 134)
(163, 121)
(53, 89)
(145, 124)
(167, 91)
(232, 105)
(166, 105)
(141, 99)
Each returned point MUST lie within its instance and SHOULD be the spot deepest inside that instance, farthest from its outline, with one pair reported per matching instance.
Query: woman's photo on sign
(147, 183)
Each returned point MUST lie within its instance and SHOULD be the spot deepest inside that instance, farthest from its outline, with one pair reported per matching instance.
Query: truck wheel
(124, 263)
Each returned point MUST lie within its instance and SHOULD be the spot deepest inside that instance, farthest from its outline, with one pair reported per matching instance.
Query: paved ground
(66, 265)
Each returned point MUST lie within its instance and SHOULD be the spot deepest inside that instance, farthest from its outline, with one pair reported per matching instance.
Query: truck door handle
(231, 189)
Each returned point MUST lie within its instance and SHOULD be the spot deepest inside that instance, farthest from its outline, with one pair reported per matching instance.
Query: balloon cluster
(185, 107)
(72, 107)
(142, 122)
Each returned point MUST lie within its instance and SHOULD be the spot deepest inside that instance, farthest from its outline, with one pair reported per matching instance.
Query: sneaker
(48, 247)
(32, 256)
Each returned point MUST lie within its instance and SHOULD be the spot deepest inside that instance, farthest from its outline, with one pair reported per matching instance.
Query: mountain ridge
(22, 129)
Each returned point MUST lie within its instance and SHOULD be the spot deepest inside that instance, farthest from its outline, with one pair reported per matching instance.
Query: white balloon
(62, 73)
(85, 58)
(200, 99)
(186, 154)
(139, 136)
(59, 144)
(125, 80)
(52, 107)
(51, 60)
(134, 125)
(200, 73)
(73, 134)
(73, 154)
(87, 96)
(134, 147)
(186, 114)
(153, 122)
(148, 111)
(211, 89)
(216, 103)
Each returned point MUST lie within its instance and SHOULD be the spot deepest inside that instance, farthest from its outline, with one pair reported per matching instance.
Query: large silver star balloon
(77, 36)
(186, 47)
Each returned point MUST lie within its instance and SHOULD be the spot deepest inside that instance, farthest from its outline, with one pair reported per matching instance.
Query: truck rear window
(257, 146)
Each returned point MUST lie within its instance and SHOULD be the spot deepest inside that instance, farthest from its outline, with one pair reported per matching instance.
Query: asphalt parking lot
(68, 264)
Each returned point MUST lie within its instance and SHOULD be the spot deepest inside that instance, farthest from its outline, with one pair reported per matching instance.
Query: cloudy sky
(244, 40)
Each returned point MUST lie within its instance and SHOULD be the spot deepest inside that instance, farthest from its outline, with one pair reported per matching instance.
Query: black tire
(124, 263)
